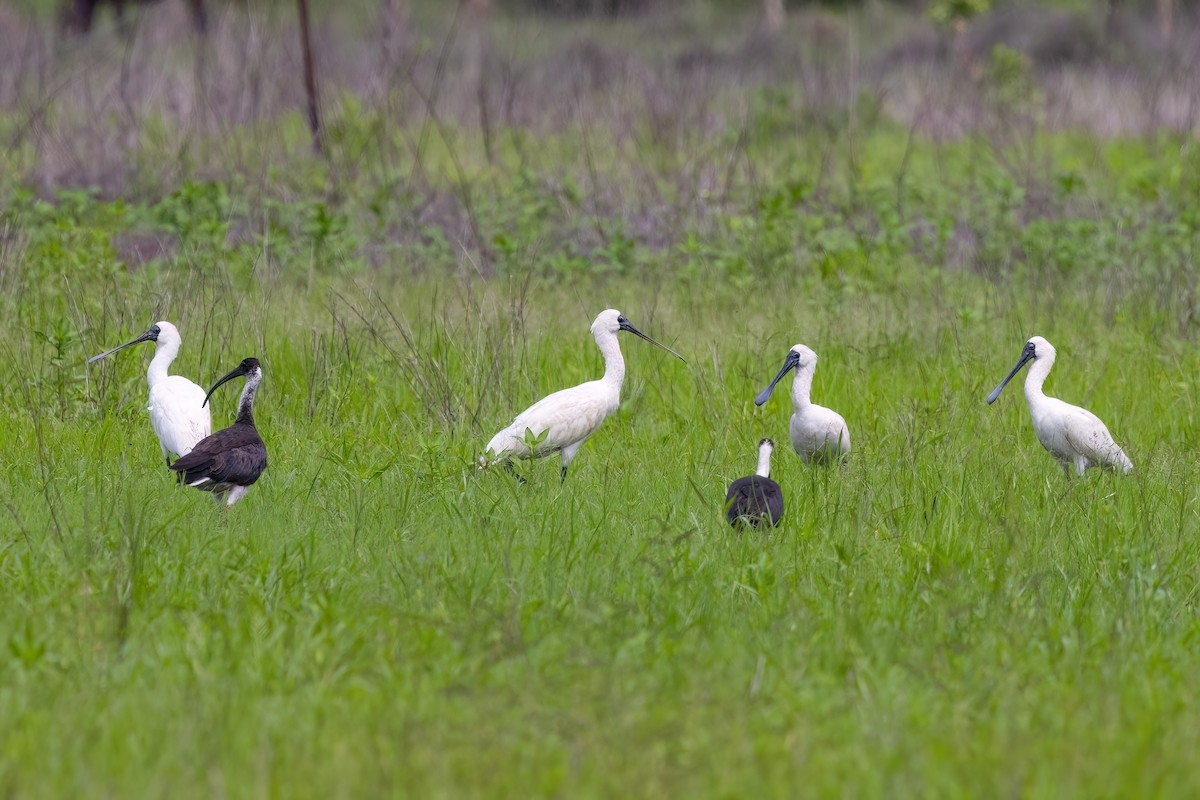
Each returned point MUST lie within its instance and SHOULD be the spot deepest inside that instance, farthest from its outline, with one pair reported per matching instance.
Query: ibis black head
(249, 367)
(614, 320)
(151, 335)
(1035, 348)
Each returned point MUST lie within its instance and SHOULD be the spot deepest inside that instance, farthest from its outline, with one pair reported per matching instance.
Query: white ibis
(819, 435)
(231, 460)
(561, 422)
(1073, 435)
(176, 406)
(756, 498)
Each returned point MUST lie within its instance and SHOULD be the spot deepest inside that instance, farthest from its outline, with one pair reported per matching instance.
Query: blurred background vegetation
(606, 136)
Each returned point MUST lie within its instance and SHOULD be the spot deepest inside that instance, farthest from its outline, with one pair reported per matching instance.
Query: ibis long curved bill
(790, 363)
(150, 335)
(625, 325)
(1027, 355)
(238, 371)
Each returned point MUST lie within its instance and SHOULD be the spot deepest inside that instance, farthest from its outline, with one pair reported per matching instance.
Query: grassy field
(945, 616)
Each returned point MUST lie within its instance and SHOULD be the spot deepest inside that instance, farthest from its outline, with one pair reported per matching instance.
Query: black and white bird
(756, 498)
(231, 460)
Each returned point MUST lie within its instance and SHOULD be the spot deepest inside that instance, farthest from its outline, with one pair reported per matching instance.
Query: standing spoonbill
(819, 435)
(231, 460)
(1073, 435)
(562, 421)
(755, 498)
(176, 407)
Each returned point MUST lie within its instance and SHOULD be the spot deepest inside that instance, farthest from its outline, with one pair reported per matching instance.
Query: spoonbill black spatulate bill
(177, 411)
(560, 422)
(819, 435)
(231, 460)
(1073, 435)
(756, 498)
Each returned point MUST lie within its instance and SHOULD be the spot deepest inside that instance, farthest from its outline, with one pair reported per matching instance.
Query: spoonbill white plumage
(232, 459)
(1073, 435)
(819, 435)
(562, 421)
(756, 498)
(176, 407)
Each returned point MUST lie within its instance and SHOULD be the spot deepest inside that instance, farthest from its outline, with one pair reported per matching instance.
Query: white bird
(562, 421)
(819, 435)
(1073, 435)
(177, 411)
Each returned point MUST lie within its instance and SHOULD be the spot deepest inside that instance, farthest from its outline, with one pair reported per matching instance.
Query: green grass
(947, 615)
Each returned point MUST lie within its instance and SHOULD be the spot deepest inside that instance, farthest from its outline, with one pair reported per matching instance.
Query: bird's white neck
(802, 385)
(1038, 371)
(165, 350)
(764, 463)
(246, 401)
(614, 362)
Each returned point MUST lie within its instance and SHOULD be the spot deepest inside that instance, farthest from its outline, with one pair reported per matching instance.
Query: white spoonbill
(819, 435)
(562, 421)
(756, 498)
(177, 410)
(231, 460)
(1073, 435)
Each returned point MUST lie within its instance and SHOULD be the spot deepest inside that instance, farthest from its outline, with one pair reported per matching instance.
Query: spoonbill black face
(151, 335)
(790, 363)
(1028, 353)
(625, 325)
(249, 367)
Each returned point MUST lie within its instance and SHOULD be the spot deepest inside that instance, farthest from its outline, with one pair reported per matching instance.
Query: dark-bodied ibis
(756, 498)
(561, 422)
(819, 435)
(177, 411)
(231, 460)
(1073, 435)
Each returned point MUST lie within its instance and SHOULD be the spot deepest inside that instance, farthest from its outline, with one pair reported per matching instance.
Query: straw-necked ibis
(231, 460)
(756, 498)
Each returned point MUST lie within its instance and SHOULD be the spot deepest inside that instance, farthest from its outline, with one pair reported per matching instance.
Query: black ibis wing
(235, 455)
(752, 498)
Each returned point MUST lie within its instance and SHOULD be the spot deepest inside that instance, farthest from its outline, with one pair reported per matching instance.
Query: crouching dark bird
(755, 498)
(231, 460)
